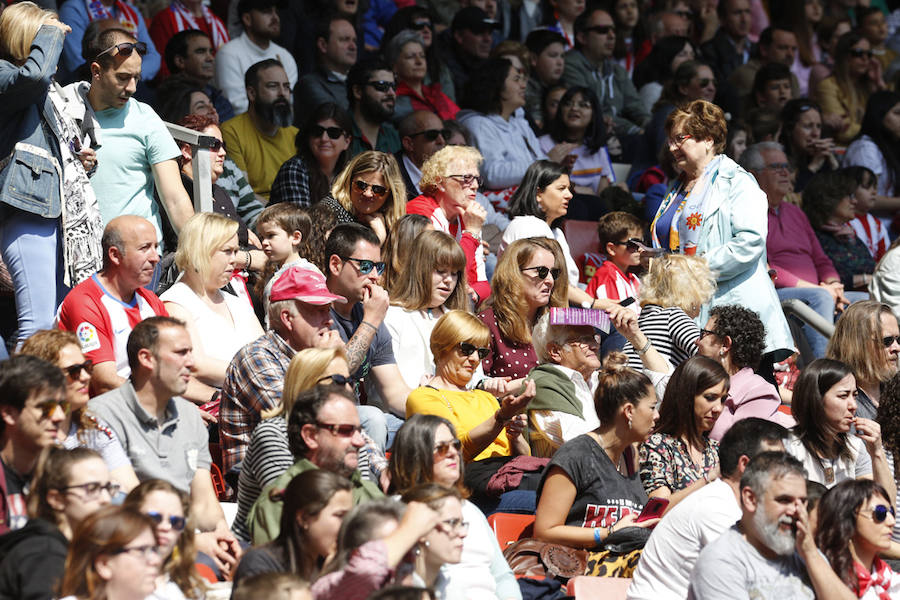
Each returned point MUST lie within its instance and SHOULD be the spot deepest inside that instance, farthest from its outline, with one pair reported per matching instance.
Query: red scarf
(126, 15)
(185, 20)
(879, 579)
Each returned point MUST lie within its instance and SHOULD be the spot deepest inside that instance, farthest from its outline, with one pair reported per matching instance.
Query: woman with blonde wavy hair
(219, 323)
(269, 455)
(370, 190)
(671, 295)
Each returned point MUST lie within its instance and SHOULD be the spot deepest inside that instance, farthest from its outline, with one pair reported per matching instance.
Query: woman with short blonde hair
(18, 28)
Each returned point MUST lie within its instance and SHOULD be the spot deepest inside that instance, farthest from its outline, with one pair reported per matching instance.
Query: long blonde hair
(304, 372)
(19, 23)
(374, 162)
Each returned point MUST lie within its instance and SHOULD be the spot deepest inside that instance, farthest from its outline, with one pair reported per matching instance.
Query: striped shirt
(671, 332)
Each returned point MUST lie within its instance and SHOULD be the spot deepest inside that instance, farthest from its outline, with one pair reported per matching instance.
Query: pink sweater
(793, 250)
(749, 396)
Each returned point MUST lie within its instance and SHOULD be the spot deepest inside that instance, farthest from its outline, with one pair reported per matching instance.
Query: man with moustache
(372, 92)
(262, 139)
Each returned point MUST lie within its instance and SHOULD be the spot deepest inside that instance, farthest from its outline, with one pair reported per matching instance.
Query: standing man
(336, 53)
(730, 47)
(372, 92)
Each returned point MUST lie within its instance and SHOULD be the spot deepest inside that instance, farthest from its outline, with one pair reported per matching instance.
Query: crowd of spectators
(463, 259)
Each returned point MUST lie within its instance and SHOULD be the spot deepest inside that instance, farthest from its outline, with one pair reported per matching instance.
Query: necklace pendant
(829, 475)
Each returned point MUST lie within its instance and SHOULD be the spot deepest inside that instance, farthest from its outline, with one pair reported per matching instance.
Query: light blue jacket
(733, 241)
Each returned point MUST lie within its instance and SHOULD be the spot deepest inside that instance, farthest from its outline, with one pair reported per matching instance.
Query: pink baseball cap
(304, 285)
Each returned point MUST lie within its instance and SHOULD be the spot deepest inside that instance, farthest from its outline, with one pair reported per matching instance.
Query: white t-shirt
(411, 341)
(859, 465)
(675, 544)
(528, 226)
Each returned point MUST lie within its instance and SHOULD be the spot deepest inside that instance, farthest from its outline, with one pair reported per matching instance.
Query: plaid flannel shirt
(292, 184)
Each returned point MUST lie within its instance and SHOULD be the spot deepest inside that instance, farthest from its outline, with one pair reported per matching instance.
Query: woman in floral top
(678, 457)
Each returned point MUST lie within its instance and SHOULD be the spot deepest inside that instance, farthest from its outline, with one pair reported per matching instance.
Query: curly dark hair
(889, 416)
(746, 330)
(822, 195)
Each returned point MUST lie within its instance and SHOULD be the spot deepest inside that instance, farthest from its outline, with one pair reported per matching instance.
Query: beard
(374, 110)
(777, 541)
(279, 112)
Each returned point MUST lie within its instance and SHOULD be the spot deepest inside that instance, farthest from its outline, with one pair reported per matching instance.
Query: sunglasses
(432, 134)
(383, 86)
(337, 378)
(49, 407)
(93, 488)
(176, 522)
(420, 25)
(467, 180)
(340, 430)
(880, 513)
(333, 132)
(602, 29)
(631, 245)
(860, 53)
(73, 371)
(442, 448)
(216, 145)
(126, 48)
(542, 272)
(361, 186)
(365, 266)
(889, 340)
(466, 349)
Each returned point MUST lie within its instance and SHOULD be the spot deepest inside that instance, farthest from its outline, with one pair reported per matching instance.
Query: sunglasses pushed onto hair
(126, 48)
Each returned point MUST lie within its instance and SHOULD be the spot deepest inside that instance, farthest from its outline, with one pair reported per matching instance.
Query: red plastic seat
(218, 483)
(608, 588)
(511, 527)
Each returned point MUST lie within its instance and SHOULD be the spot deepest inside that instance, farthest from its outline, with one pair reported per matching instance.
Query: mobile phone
(653, 509)
(627, 301)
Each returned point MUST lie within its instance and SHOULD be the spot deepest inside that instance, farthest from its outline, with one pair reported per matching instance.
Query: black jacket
(32, 561)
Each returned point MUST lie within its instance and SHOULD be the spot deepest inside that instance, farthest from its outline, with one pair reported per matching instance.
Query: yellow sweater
(257, 154)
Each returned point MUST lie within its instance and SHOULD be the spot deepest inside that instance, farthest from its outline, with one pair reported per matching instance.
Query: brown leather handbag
(539, 560)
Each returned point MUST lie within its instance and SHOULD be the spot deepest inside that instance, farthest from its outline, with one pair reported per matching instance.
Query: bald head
(422, 134)
(130, 251)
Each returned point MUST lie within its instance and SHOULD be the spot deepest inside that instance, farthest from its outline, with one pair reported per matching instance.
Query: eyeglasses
(678, 140)
(453, 525)
(147, 552)
(860, 53)
(73, 371)
(782, 166)
(442, 448)
(706, 332)
(126, 48)
(362, 186)
(365, 266)
(432, 134)
(335, 378)
(466, 349)
(175, 521)
(879, 513)
(383, 86)
(343, 430)
(590, 341)
(333, 132)
(467, 180)
(92, 489)
(890, 340)
(602, 29)
(49, 407)
(420, 25)
(543, 271)
(705, 82)
(631, 245)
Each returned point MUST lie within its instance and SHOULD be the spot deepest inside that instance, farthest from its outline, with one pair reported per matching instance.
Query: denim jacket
(30, 159)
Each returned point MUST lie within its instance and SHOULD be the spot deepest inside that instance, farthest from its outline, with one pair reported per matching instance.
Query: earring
(427, 544)
(721, 353)
(629, 422)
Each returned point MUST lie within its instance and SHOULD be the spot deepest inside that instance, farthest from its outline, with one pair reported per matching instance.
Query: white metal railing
(200, 163)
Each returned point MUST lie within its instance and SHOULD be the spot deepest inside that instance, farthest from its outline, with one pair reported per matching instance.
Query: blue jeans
(30, 248)
(820, 301)
(374, 422)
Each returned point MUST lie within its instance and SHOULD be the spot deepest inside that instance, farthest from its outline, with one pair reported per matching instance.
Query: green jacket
(554, 391)
(264, 520)
(615, 91)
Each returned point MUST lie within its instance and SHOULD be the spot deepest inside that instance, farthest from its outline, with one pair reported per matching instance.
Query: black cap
(474, 19)
(245, 6)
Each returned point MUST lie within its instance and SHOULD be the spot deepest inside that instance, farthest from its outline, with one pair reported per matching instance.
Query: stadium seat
(510, 527)
(608, 588)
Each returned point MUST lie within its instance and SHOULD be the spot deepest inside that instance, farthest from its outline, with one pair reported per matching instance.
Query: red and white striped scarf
(185, 20)
(126, 15)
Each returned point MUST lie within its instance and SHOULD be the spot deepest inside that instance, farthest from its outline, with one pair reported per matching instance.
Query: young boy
(620, 234)
(869, 229)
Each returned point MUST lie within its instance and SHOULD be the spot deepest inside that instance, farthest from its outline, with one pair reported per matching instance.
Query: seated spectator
(104, 309)
(315, 444)
(801, 136)
(777, 45)
(262, 139)
(591, 488)
(654, 72)
(422, 133)
(426, 450)
(68, 485)
(313, 246)
(830, 206)
(449, 185)
(372, 94)
(373, 541)
(579, 120)
(821, 438)
(735, 336)
(494, 98)
(844, 94)
(884, 284)
(322, 144)
(560, 17)
(336, 52)
(113, 555)
(679, 457)
(876, 147)
(429, 287)
(466, 45)
(547, 49)
(164, 434)
(274, 586)
(529, 280)
(771, 88)
(764, 124)
(867, 227)
(190, 54)
(802, 270)
(81, 428)
(127, 17)
(219, 323)
(169, 508)
(396, 250)
(186, 15)
(283, 229)
(828, 32)
(738, 140)
(592, 65)
(632, 43)
(804, 20)
(370, 191)
(768, 552)
(672, 551)
(565, 382)
(262, 27)
(550, 101)
(315, 503)
(619, 235)
(670, 297)
(730, 47)
(871, 22)
(855, 519)
(866, 339)
(405, 53)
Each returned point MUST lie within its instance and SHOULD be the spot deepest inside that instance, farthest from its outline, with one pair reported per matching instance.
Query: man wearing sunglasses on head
(33, 407)
(353, 255)
(372, 93)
